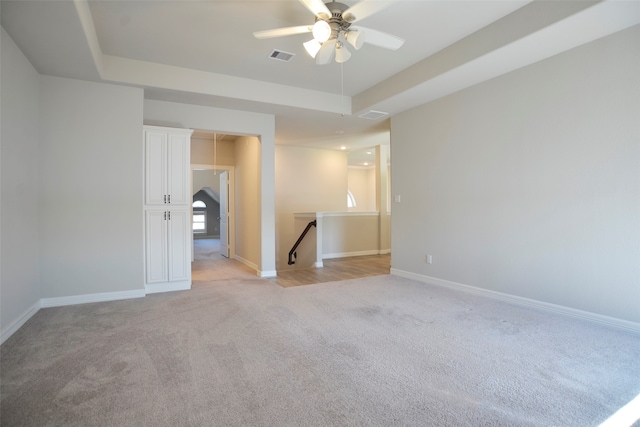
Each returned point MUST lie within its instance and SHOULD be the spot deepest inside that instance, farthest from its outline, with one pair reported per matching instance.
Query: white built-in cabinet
(167, 209)
(167, 167)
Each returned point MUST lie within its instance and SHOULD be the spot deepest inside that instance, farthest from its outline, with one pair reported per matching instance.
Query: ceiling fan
(333, 29)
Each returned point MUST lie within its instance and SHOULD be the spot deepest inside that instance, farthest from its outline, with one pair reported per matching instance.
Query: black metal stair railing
(292, 252)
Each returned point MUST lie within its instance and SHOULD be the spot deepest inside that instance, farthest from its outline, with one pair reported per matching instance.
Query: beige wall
(307, 180)
(362, 184)
(247, 206)
(350, 234)
(306, 252)
(529, 184)
(206, 178)
(202, 152)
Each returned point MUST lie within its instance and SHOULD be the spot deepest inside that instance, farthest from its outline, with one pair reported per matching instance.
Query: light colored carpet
(206, 249)
(380, 351)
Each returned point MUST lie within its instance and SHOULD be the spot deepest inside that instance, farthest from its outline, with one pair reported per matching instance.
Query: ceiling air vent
(281, 55)
(373, 115)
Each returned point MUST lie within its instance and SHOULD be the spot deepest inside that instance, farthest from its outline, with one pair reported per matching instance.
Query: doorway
(212, 212)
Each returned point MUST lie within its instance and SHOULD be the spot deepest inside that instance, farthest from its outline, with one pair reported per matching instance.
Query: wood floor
(336, 269)
(210, 265)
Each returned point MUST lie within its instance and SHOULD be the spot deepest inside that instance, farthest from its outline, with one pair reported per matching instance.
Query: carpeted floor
(380, 351)
(204, 249)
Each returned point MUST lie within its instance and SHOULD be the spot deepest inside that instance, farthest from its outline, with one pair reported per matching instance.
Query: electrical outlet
(429, 259)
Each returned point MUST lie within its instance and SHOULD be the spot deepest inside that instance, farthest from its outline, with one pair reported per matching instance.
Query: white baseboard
(154, 288)
(21, 320)
(264, 274)
(268, 274)
(89, 298)
(318, 264)
(554, 308)
(85, 299)
(247, 263)
(350, 254)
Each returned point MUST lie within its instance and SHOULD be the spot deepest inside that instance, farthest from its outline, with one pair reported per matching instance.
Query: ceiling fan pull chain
(342, 88)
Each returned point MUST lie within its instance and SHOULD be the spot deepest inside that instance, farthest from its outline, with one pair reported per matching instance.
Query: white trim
(308, 215)
(247, 263)
(326, 214)
(80, 299)
(154, 288)
(89, 298)
(527, 302)
(352, 213)
(183, 131)
(231, 206)
(350, 254)
(318, 265)
(268, 274)
(259, 273)
(21, 320)
(203, 166)
(385, 251)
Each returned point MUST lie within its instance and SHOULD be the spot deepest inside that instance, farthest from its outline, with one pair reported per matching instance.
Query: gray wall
(91, 187)
(19, 272)
(529, 184)
(71, 188)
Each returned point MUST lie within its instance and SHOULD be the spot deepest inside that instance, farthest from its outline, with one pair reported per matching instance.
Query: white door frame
(223, 181)
(232, 204)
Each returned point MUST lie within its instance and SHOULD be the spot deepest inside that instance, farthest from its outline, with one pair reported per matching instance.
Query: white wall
(529, 184)
(237, 123)
(20, 288)
(91, 187)
(307, 180)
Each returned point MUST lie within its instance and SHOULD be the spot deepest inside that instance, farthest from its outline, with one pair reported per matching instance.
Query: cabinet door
(155, 154)
(155, 227)
(179, 245)
(179, 169)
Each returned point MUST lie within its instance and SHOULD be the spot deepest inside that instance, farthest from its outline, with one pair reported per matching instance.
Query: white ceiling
(203, 52)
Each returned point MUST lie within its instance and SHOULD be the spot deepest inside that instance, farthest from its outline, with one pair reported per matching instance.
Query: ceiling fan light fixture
(321, 31)
(342, 53)
(312, 47)
(355, 39)
(333, 30)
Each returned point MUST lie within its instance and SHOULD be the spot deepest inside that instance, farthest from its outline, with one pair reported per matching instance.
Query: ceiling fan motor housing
(337, 21)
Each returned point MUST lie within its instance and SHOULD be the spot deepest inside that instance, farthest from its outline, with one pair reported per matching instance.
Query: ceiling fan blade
(317, 7)
(286, 31)
(378, 38)
(326, 52)
(365, 9)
